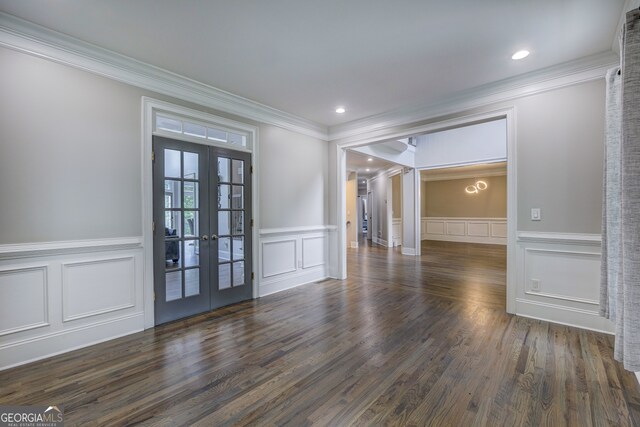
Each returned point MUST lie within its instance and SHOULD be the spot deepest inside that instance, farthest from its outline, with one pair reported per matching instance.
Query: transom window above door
(176, 125)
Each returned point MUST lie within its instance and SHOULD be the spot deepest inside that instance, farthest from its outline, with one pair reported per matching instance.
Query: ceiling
(307, 57)
(359, 163)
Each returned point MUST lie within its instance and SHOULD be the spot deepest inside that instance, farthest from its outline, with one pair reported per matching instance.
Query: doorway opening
(479, 149)
(199, 207)
(202, 251)
(373, 201)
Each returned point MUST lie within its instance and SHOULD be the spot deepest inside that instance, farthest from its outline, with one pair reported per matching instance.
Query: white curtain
(620, 289)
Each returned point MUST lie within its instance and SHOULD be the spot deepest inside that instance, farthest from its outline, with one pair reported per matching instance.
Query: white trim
(24, 36)
(28, 250)
(378, 127)
(462, 175)
(65, 266)
(305, 277)
(266, 232)
(562, 297)
(563, 315)
(408, 251)
(69, 339)
(560, 238)
(45, 295)
(276, 241)
(379, 241)
(149, 107)
(468, 236)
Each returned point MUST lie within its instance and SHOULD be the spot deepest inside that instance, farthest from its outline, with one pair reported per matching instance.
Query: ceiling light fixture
(368, 169)
(520, 55)
(477, 187)
(340, 110)
(369, 159)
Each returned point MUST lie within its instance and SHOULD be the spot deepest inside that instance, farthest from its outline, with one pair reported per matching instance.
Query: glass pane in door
(231, 222)
(181, 224)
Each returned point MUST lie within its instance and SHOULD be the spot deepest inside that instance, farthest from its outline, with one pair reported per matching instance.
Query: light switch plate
(535, 214)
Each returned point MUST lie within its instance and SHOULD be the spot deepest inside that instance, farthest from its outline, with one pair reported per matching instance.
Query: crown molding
(27, 37)
(555, 77)
(462, 175)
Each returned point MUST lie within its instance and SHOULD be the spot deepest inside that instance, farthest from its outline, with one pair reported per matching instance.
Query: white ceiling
(359, 163)
(307, 57)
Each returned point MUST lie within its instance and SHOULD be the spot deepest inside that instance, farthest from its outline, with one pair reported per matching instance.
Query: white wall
(478, 143)
(70, 153)
(71, 222)
(294, 188)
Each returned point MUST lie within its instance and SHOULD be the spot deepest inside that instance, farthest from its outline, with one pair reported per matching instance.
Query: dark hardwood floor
(405, 341)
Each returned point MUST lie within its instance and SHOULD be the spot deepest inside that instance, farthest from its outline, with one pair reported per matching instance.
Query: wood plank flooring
(404, 341)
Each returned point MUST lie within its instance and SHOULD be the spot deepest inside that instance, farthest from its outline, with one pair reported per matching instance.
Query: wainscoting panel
(456, 228)
(98, 286)
(291, 257)
(59, 296)
(279, 257)
(470, 230)
(559, 279)
(314, 251)
(23, 292)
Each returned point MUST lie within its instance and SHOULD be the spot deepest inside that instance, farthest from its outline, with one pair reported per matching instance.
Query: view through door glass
(202, 250)
(233, 262)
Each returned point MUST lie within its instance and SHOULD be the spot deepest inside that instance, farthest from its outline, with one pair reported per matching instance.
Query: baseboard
(578, 318)
(290, 281)
(42, 347)
(408, 251)
(379, 241)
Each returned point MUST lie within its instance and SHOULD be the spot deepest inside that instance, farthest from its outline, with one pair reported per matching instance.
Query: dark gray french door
(202, 232)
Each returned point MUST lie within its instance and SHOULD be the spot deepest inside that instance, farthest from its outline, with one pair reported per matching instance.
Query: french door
(202, 228)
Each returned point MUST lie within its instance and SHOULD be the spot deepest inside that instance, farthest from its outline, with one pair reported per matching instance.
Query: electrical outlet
(535, 285)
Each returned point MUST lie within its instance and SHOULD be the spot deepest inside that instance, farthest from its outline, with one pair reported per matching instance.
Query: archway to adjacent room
(412, 177)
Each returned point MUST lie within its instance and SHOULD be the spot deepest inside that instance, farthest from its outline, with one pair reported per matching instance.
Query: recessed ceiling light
(368, 169)
(520, 54)
(340, 110)
(364, 182)
(369, 159)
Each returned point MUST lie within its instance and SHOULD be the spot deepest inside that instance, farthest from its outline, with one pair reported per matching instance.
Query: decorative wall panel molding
(24, 294)
(469, 230)
(59, 297)
(293, 257)
(559, 279)
(98, 286)
(279, 257)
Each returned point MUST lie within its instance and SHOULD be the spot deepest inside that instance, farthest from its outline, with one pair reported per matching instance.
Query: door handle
(205, 237)
(214, 237)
